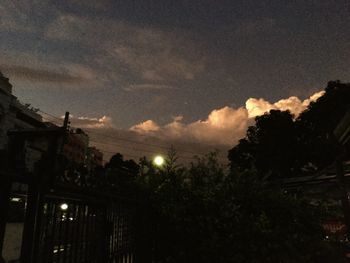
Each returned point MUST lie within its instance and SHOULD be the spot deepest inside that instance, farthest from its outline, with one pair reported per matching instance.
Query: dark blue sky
(140, 60)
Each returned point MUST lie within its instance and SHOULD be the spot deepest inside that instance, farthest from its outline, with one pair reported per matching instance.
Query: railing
(73, 230)
(75, 215)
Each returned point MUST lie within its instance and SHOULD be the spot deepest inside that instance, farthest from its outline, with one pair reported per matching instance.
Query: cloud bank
(71, 74)
(103, 122)
(256, 107)
(219, 131)
(224, 126)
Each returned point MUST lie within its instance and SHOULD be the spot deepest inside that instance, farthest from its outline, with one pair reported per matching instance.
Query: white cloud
(145, 127)
(91, 123)
(256, 107)
(178, 118)
(220, 130)
(224, 126)
(313, 98)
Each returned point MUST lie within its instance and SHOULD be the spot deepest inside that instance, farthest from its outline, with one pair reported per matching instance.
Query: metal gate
(83, 230)
(69, 215)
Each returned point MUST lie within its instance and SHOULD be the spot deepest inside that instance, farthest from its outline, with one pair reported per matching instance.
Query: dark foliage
(120, 172)
(283, 146)
(317, 123)
(205, 215)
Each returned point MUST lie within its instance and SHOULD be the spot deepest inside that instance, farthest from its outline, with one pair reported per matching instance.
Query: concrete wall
(9, 106)
(12, 242)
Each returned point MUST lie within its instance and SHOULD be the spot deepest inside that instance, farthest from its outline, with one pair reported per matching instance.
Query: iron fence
(72, 215)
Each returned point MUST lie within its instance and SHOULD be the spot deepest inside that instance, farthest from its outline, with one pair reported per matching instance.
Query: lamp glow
(158, 160)
(64, 206)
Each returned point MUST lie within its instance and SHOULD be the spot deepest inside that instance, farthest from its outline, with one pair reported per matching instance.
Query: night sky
(179, 70)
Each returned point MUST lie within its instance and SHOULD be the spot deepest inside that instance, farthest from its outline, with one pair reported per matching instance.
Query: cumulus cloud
(145, 127)
(221, 129)
(224, 126)
(83, 122)
(313, 98)
(256, 107)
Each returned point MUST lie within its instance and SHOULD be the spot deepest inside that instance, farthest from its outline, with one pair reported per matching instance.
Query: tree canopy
(285, 145)
(203, 214)
(120, 172)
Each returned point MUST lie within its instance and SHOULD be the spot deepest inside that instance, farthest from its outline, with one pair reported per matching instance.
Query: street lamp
(158, 160)
(64, 206)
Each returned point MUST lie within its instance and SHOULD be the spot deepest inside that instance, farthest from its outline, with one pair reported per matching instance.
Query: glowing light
(64, 206)
(158, 160)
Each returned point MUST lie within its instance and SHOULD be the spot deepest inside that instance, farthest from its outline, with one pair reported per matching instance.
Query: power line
(48, 114)
(58, 121)
(110, 152)
(134, 156)
(125, 140)
(122, 146)
(142, 143)
(148, 144)
(141, 150)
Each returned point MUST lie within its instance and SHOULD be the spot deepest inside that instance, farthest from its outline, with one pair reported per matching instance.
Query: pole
(66, 120)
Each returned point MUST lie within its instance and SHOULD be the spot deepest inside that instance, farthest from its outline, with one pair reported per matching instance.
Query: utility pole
(65, 128)
(66, 120)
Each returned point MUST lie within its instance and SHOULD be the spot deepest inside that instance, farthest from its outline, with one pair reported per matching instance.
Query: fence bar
(5, 189)
(53, 232)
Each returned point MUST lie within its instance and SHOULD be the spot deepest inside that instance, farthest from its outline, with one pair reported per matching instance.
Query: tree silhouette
(270, 146)
(284, 146)
(121, 172)
(205, 215)
(316, 125)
